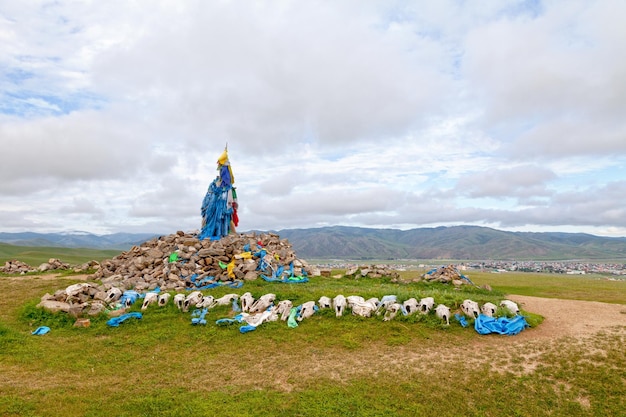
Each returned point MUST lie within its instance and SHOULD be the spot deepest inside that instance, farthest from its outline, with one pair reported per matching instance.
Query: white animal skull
(363, 309)
(207, 302)
(325, 302)
(510, 305)
(257, 319)
(352, 299)
(113, 295)
(150, 297)
(339, 304)
(306, 311)
(283, 308)
(410, 306)
(426, 304)
(391, 310)
(76, 289)
(164, 299)
(470, 308)
(443, 312)
(179, 301)
(263, 303)
(192, 300)
(226, 299)
(246, 302)
(489, 309)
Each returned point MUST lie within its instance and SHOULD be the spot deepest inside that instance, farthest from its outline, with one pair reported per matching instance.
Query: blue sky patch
(30, 104)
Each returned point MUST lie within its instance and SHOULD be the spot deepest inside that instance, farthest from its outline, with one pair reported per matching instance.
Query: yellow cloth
(229, 269)
(223, 158)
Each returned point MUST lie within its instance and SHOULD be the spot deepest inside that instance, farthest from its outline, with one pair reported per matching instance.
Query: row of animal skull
(388, 305)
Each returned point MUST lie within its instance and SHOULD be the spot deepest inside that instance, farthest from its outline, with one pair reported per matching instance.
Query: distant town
(556, 267)
(553, 267)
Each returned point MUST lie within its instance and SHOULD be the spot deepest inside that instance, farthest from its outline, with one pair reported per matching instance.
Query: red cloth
(235, 218)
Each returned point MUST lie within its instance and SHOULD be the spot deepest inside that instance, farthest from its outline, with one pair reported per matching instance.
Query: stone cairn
(446, 275)
(371, 271)
(179, 262)
(53, 264)
(18, 267)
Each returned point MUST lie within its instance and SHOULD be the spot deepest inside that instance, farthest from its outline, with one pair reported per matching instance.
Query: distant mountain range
(457, 242)
(357, 243)
(122, 241)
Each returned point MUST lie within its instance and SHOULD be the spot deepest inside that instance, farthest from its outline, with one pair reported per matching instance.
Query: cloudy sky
(385, 114)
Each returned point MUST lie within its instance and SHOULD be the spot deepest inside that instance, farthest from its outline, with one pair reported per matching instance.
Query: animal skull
(339, 304)
(246, 302)
(426, 304)
(443, 312)
(306, 310)
(192, 300)
(489, 309)
(151, 297)
(510, 306)
(391, 311)
(263, 303)
(410, 306)
(470, 308)
(325, 302)
(179, 301)
(164, 299)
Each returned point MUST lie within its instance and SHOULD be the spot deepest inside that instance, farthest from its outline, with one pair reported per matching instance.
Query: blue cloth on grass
(237, 319)
(198, 316)
(116, 321)
(502, 325)
(461, 319)
(129, 297)
(41, 330)
(247, 328)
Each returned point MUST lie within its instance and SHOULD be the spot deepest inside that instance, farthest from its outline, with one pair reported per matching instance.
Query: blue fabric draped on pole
(219, 207)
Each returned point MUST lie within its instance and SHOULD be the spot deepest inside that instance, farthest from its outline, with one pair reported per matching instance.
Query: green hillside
(35, 256)
(457, 242)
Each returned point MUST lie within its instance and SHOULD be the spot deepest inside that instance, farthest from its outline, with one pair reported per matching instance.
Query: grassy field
(35, 256)
(161, 365)
(571, 287)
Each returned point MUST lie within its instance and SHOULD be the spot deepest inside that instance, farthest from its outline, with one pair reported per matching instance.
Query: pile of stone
(53, 264)
(446, 275)
(77, 299)
(86, 267)
(371, 271)
(16, 267)
(180, 262)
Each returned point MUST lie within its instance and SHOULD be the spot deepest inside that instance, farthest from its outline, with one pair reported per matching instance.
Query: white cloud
(506, 114)
(520, 181)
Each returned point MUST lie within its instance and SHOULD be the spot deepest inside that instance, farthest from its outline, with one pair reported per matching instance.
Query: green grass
(35, 256)
(573, 287)
(161, 365)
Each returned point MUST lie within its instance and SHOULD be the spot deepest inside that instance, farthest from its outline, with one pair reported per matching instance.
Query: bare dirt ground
(570, 317)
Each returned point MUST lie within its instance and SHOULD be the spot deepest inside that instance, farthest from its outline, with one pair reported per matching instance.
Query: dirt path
(570, 317)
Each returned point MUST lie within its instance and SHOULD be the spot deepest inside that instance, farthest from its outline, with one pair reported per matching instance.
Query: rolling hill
(457, 242)
(341, 242)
